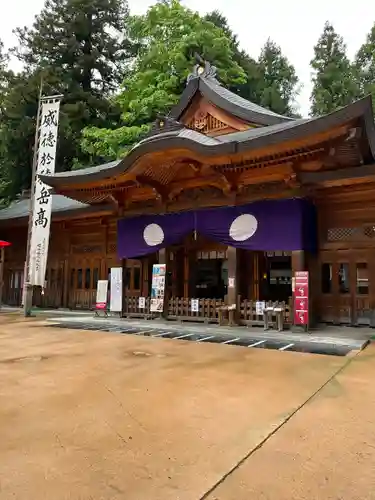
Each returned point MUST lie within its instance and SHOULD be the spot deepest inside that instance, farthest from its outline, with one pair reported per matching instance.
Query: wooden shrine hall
(233, 198)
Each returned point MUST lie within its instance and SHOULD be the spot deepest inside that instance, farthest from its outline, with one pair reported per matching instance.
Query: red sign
(301, 298)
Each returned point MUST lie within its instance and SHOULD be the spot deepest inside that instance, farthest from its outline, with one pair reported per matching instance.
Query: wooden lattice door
(347, 287)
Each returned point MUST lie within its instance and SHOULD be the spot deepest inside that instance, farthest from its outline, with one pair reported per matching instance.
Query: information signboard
(301, 298)
(158, 288)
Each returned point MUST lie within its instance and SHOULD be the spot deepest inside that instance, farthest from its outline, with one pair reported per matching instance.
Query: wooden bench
(228, 310)
(278, 312)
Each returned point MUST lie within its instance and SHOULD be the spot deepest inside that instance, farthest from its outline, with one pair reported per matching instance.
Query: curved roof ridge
(223, 98)
(236, 142)
(241, 102)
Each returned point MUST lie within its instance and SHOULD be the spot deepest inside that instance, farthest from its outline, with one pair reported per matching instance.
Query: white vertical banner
(115, 304)
(42, 209)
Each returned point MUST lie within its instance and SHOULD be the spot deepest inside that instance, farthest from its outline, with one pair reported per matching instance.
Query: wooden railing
(132, 310)
(208, 310)
(82, 299)
(248, 312)
(180, 308)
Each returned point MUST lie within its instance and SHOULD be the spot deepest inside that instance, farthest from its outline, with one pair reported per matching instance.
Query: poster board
(158, 288)
(115, 303)
(101, 294)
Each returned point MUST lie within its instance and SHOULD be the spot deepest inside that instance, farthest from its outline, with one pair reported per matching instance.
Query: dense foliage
(117, 72)
(79, 49)
(334, 79)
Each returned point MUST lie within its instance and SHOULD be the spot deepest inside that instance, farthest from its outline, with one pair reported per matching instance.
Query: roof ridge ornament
(203, 69)
(164, 124)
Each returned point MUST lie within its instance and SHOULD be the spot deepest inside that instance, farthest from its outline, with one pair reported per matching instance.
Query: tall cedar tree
(7, 80)
(279, 79)
(334, 82)
(167, 37)
(80, 47)
(365, 66)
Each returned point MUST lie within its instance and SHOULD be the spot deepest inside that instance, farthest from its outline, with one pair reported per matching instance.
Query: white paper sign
(101, 294)
(194, 305)
(116, 290)
(142, 303)
(259, 307)
(42, 210)
(231, 282)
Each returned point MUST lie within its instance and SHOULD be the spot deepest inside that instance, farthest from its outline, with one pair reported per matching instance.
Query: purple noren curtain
(265, 225)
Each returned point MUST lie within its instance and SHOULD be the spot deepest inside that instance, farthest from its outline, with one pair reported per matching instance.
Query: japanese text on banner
(42, 210)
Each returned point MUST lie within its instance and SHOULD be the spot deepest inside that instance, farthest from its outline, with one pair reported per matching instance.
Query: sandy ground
(86, 415)
(325, 452)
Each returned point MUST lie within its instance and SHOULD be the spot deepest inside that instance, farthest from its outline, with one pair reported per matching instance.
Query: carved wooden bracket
(160, 190)
(216, 180)
(292, 181)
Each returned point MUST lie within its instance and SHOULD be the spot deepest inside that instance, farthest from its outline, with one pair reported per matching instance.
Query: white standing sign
(194, 304)
(142, 303)
(115, 304)
(101, 294)
(42, 210)
(259, 307)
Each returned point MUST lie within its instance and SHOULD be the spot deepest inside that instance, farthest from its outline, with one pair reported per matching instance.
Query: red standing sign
(301, 298)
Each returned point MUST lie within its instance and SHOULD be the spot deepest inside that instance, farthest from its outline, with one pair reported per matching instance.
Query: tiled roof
(236, 142)
(21, 208)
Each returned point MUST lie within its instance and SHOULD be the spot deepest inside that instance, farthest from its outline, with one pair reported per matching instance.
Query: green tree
(80, 47)
(6, 79)
(279, 80)
(251, 88)
(271, 81)
(334, 80)
(167, 37)
(18, 122)
(365, 66)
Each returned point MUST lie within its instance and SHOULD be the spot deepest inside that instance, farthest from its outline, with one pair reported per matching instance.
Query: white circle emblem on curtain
(243, 227)
(153, 235)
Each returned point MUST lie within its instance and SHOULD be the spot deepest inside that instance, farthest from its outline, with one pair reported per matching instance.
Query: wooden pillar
(298, 261)
(2, 258)
(145, 276)
(124, 287)
(255, 272)
(179, 263)
(186, 274)
(232, 276)
(66, 283)
(162, 257)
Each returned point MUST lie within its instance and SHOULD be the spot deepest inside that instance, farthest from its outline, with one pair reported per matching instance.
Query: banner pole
(28, 288)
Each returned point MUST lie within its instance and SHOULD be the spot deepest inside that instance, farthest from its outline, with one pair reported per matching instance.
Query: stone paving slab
(353, 337)
(90, 415)
(324, 452)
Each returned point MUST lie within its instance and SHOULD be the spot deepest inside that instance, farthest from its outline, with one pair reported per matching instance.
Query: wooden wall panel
(77, 244)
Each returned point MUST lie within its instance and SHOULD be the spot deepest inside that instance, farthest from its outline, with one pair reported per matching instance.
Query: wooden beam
(360, 173)
(216, 180)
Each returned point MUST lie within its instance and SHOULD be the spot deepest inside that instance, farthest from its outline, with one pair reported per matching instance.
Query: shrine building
(233, 198)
